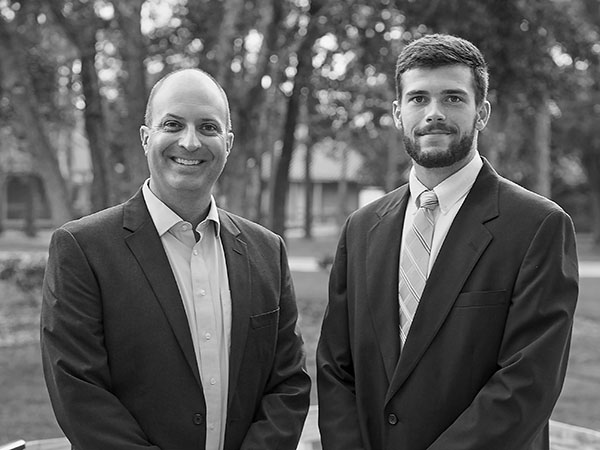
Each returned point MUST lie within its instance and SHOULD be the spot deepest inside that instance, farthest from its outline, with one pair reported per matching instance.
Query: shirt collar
(452, 189)
(165, 218)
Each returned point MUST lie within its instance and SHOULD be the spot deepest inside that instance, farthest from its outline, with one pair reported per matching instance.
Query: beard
(455, 152)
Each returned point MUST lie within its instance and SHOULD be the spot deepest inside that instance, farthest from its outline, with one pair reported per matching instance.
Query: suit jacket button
(392, 419)
(198, 419)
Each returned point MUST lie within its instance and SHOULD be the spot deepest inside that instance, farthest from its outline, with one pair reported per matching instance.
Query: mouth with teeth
(187, 162)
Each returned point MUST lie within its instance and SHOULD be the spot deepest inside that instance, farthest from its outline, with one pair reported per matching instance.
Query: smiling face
(438, 116)
(188, 142)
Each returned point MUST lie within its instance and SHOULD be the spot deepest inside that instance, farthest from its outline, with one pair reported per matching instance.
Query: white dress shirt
(201, 274)
(451, 194)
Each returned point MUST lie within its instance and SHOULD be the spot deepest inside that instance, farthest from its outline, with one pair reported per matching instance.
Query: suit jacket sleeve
(338, 411)
(518, 399)
(282, 411)
(74, 357)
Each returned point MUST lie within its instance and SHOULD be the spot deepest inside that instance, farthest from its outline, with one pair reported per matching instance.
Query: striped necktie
(415, 261)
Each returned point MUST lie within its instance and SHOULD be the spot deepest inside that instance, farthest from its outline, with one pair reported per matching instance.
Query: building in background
(23, 201)
(328, 187)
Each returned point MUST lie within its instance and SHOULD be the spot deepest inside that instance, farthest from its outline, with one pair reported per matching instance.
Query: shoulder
(237, 224)
(97, 219)
(516, 198)
(391, 202)
(512, 200)
(96, 224)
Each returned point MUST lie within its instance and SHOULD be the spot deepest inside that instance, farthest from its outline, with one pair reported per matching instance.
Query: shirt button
(392, 419)
(212, 426)
(184, 227)
(207, 336)
(213, 381)
(195, 252)
(198, 419)
(202, 292)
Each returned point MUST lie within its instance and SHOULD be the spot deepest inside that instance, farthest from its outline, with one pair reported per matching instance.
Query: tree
(28, 122)
(303, 71)
(133, 50)
(79, 22)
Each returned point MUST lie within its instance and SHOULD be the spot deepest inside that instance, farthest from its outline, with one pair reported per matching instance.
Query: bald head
(185, 76)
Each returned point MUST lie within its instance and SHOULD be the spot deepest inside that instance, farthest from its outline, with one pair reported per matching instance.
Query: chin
(439, 156)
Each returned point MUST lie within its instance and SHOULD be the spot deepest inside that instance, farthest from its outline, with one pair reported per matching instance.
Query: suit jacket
(117, 352)
(486, 355)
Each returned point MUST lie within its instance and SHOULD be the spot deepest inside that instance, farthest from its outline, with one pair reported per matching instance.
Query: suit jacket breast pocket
(263, 334)
(481, 299)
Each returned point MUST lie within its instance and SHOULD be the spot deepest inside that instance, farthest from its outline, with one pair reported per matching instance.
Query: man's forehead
(443, 78)
(189, 88)
(189, 76)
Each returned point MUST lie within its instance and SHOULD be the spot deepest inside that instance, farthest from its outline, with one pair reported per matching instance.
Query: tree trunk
(80, 28)
(541, 143)
(303, 72)
(394, 149)
(2, 200)
(232, 9)
(308, 194)
(30, 227)
(133, 52)
(282, 182)
(96, 131)
(248, 104)
(16, 81)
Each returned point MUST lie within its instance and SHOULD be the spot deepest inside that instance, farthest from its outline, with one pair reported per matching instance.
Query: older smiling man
(168, 323)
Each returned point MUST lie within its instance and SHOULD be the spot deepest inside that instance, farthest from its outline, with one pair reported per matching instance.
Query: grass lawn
(25, 412)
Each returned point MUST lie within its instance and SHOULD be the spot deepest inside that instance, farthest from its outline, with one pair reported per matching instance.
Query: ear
(483, 115)
(230, 137)
(396, 114)
(144, 136)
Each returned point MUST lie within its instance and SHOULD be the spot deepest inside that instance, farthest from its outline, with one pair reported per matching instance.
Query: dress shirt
(451, 194)
(201, 274)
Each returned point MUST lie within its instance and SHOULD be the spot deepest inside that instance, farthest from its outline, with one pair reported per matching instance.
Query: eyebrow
(172, 116)
(444, 92)
(182, 119)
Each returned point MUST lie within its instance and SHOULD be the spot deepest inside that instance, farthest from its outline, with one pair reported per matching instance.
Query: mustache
(436, 127)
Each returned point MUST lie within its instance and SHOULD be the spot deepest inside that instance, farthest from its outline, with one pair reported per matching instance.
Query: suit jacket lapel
(466, 241)
(383, 264)
(147, 248)
(238, 272)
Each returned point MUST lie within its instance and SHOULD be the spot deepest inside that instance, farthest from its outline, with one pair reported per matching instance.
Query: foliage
(24, 270)
(336, 57)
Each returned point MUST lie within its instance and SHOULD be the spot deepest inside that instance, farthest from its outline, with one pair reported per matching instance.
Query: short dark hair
(437, 50)
(158, 84)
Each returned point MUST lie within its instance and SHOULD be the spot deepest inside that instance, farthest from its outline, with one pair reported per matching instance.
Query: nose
(435, 112)
(189, 140)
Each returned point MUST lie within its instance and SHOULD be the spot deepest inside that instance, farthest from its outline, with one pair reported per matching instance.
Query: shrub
(25, 270)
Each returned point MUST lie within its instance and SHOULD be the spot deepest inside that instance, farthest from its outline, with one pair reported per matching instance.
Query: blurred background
(310, 83)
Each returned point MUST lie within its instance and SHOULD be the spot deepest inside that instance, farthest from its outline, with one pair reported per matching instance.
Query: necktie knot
(428, 200)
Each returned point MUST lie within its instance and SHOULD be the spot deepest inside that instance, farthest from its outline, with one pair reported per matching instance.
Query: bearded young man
(451, 299)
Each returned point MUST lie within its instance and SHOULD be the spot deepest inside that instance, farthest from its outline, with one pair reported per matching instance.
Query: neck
(191, 206)
(192, 214)
(432, 176)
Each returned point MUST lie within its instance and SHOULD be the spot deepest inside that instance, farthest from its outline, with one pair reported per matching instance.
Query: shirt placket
(207, 332)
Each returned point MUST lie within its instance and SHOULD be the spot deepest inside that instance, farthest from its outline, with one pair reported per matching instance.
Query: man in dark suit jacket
(483, 362)
(127, 361)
